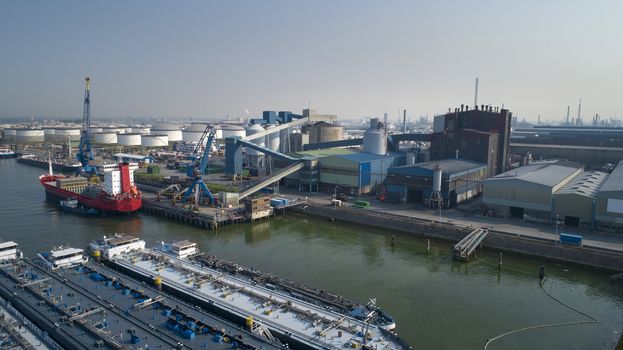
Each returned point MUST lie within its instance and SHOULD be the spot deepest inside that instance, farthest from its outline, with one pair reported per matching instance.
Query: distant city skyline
(356, 59)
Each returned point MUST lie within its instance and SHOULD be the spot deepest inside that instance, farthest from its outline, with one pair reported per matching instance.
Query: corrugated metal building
(527, 192)
(357, 173)
(461, 180)
(610, 199)
(576, 202)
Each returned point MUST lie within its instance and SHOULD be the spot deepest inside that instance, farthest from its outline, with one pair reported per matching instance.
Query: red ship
(117, 194)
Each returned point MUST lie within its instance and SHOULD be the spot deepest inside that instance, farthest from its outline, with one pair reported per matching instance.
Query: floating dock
(88, 307)
(270, 313)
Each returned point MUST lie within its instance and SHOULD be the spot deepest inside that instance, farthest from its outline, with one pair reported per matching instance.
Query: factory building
(527, 192)
(357, 173)
(461, 180)
(610, 200)
(481, 135)
(575, 203)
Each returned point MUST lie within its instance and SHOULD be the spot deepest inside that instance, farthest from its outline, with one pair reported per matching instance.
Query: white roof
(65, 252)
(8, 244)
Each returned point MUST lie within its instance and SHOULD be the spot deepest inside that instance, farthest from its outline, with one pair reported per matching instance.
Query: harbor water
(437, 303)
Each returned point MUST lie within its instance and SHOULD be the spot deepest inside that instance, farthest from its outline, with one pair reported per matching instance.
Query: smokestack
(476, 94)
(404, 121)
(568, 110)
(579, 110)
(385, 122)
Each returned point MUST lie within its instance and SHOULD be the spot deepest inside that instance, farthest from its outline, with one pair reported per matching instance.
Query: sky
(210, 59)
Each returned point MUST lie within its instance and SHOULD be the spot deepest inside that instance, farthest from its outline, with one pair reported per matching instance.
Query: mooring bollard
(428, 246)
(500, 261)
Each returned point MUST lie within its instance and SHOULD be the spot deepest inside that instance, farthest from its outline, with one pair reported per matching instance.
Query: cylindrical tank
(218, 132)
(29, 135)
(437, 174)
(154, 140)
(173, 131)
(106, 138)
(110, 128)
(375, 141)
(193, 132)
(126, 130)
(94, 129)
(323, 132)
(129, 139)
(48, 134)
(9, 135)
(374, 123)
(272, 140)
(140, 129)
(233, 131)
(254, 129)
(64, 134)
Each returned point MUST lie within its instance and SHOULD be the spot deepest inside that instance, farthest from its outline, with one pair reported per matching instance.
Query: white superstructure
(116, 245)
(9, 251)
(61, 257)
(180, 249)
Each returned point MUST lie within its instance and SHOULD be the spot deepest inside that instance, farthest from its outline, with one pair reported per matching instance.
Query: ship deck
(82, 306)
(304, 322)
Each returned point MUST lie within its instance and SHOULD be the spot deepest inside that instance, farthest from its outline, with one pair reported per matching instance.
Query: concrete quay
(601, 251)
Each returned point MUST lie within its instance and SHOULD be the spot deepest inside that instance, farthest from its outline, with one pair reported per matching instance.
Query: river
(437, 303)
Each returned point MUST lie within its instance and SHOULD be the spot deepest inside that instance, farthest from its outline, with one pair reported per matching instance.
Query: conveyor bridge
(467, 246)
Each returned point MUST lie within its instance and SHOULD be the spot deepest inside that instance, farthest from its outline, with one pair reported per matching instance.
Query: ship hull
(55, 166)
(106, 205)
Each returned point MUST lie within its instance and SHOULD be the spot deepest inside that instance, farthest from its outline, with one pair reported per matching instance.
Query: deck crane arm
(199, 165)
(85, 153)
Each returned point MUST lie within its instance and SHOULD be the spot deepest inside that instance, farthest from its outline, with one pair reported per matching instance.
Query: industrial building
(481, 135)
(575, 203)
(527, 192)
(460, 180)
(610, 200)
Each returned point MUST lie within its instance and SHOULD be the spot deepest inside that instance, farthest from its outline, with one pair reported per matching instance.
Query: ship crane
(197, 170)
(85, 153)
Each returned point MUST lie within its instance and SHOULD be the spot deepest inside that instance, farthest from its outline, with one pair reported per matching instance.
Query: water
(438, 304)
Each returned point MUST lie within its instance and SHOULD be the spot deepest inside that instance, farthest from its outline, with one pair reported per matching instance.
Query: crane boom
(85, 153)
(199, 165)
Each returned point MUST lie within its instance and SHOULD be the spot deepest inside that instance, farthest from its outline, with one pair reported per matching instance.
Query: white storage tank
(94, 129)
(64, 134)
(219, 132)
(140, 129)
(29, 135)
(254, 129)
(106, 138)
(193, 132)
(110, 128)
(126, 130)
(9, 135)
(272, 140)
(173, 131)
(129, 139)
(375, 138)
(154, 140)
(233, 131)
(48, 134)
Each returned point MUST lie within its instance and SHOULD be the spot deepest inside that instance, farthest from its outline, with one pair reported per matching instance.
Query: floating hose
(549, 325)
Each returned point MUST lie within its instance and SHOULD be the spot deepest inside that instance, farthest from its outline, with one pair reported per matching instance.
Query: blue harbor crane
(199, 164)
(85, 153)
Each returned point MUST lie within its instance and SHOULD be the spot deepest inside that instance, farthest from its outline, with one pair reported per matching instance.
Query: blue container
(188, 334)
(125, 291)
(570, 239)
(134, 339)
(166, 312)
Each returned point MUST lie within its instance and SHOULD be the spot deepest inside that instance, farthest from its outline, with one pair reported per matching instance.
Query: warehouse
(357, 173)
(460, 180)
(610, 199)
(575, 203)
(527, 192)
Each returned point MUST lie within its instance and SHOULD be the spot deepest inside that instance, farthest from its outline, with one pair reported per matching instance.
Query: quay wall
(495, 240)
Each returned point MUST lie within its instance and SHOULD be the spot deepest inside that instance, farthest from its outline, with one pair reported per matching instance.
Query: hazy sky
(351, 58)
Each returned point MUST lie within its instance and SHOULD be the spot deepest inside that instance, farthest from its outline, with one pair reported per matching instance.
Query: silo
(106, 138)
(437, 174)
(375, 139)
(129, 139)
(233, 131)
(272, 140)
(323, 132)
(193, 132)
(9, 135)
(173, 131)
(254, 129)
(28, 135)
(154, 140)
(48, 135)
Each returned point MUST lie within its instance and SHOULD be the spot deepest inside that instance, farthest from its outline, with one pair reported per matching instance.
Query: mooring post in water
(500, 261)
(427, 246)
(542, 273)
(393, 240)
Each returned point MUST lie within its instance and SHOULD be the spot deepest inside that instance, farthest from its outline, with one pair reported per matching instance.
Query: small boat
(61, 257)
(71, 205)
(6, 153)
